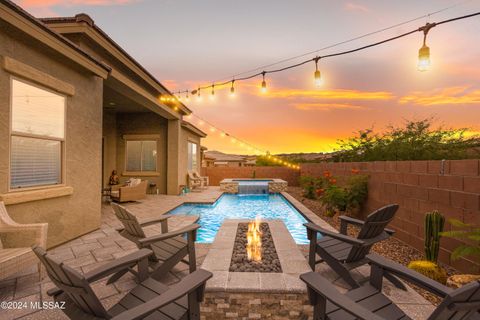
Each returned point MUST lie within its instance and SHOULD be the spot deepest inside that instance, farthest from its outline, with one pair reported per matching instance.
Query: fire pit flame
(254, 241)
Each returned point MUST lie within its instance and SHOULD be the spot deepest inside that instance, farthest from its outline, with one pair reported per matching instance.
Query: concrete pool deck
(105, 244)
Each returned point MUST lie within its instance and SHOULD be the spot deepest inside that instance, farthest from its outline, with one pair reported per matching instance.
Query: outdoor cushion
(115, 193)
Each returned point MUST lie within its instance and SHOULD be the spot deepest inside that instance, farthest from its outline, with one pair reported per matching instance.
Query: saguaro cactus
(434, 222)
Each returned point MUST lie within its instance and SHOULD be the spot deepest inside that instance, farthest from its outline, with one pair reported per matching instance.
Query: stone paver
(105, 244)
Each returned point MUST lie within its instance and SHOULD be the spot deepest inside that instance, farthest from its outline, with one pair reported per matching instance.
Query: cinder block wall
(217, 174)
(452, 187)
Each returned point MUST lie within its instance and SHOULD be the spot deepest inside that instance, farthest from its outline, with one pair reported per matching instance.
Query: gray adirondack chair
(150, 299)
(169, 248)
(344, 253)
(368, 303)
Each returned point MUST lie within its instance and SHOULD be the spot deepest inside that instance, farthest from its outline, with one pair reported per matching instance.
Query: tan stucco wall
(109, 145)
(185, 137)
(146, 123)
(76, 214)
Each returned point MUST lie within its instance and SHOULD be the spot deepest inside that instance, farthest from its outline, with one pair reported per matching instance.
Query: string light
(212, 96)
(264, 83)
(317, 76)
(232, 90)
(424, 52)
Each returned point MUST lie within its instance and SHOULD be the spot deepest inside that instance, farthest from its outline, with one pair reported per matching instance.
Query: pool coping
(291, 259)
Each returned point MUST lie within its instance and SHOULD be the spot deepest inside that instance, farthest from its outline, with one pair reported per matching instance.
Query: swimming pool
(234, 206)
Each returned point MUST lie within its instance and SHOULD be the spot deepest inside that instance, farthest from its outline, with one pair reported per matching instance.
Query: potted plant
(434, 223)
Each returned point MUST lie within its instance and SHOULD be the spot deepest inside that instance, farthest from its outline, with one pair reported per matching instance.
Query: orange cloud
(48, 3)
(444, 96)
(350, 6)
(331, 94)
(327, 106)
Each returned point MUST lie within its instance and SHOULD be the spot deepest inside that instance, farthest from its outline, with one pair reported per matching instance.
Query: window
(141, 155)
(37, 136)
(192, 156)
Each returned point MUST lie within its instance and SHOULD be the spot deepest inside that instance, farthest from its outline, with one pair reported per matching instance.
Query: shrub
(429, 269)
(416, 140)
(468, 232)
(342, 198)
(309, 185)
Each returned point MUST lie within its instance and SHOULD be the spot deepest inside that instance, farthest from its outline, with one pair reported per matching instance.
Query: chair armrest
(315, 228)
(194, 281)
(149, 222)
(347, 219)
(189, 229)
(409, 275)
(116, 265)
(324, 288)
(39, 230)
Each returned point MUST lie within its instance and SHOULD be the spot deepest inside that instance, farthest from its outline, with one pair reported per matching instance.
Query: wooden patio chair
(194, 183)
(344, 253)
(205, 180)
(150, 299)
(369, 303)
(16, 240)
(169, 248)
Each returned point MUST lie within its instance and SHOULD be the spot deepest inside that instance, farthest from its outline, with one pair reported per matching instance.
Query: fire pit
(265, 286)
(254, 249)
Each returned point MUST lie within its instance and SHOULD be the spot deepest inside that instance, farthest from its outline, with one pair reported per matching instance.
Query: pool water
(233, 206)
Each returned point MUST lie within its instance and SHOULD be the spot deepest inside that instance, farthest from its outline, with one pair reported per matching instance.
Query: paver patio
(93, 249)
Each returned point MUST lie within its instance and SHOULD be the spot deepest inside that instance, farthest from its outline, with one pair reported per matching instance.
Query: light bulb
(424, 52)
(317, 76)
(212, 96)
(222, 134)
(232, 90)
(199, 97)
(264, 83)
(318, 79)
(423, 58)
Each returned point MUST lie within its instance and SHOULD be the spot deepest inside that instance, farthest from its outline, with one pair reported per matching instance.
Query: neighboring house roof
(83, 19)
(223, 157)
(192, 128)
(53, 39)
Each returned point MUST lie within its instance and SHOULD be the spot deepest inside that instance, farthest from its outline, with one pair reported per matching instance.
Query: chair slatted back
(460, 304)
(374, 225)
(72, 283)
(129, 222)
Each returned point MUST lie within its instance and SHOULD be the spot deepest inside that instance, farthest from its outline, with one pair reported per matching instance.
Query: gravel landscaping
(392, 248)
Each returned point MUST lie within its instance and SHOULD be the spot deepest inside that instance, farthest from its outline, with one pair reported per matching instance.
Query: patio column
(173, 156)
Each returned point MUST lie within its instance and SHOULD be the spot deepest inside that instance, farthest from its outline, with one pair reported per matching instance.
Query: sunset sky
(190, 43)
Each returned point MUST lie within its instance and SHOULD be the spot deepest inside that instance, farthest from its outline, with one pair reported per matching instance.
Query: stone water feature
(253, 186)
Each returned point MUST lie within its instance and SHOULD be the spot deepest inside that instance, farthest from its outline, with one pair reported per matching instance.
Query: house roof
(83, 19)
(220, 156)
(192, 128)
(39, 26)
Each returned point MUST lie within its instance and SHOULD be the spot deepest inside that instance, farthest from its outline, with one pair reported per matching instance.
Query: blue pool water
(233, 206)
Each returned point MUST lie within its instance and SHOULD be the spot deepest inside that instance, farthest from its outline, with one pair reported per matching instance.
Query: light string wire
(250, 146)
(315, 59)
(245, 144)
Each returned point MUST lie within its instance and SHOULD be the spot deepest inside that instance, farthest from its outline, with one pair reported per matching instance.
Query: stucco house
(220, 159)
(73, 107)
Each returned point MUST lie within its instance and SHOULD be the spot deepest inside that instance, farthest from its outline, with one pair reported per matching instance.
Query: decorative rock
(460, 280)
(239, 261)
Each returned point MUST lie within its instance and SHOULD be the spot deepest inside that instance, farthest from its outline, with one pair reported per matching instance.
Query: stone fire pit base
(255, 295)
(226, 305)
